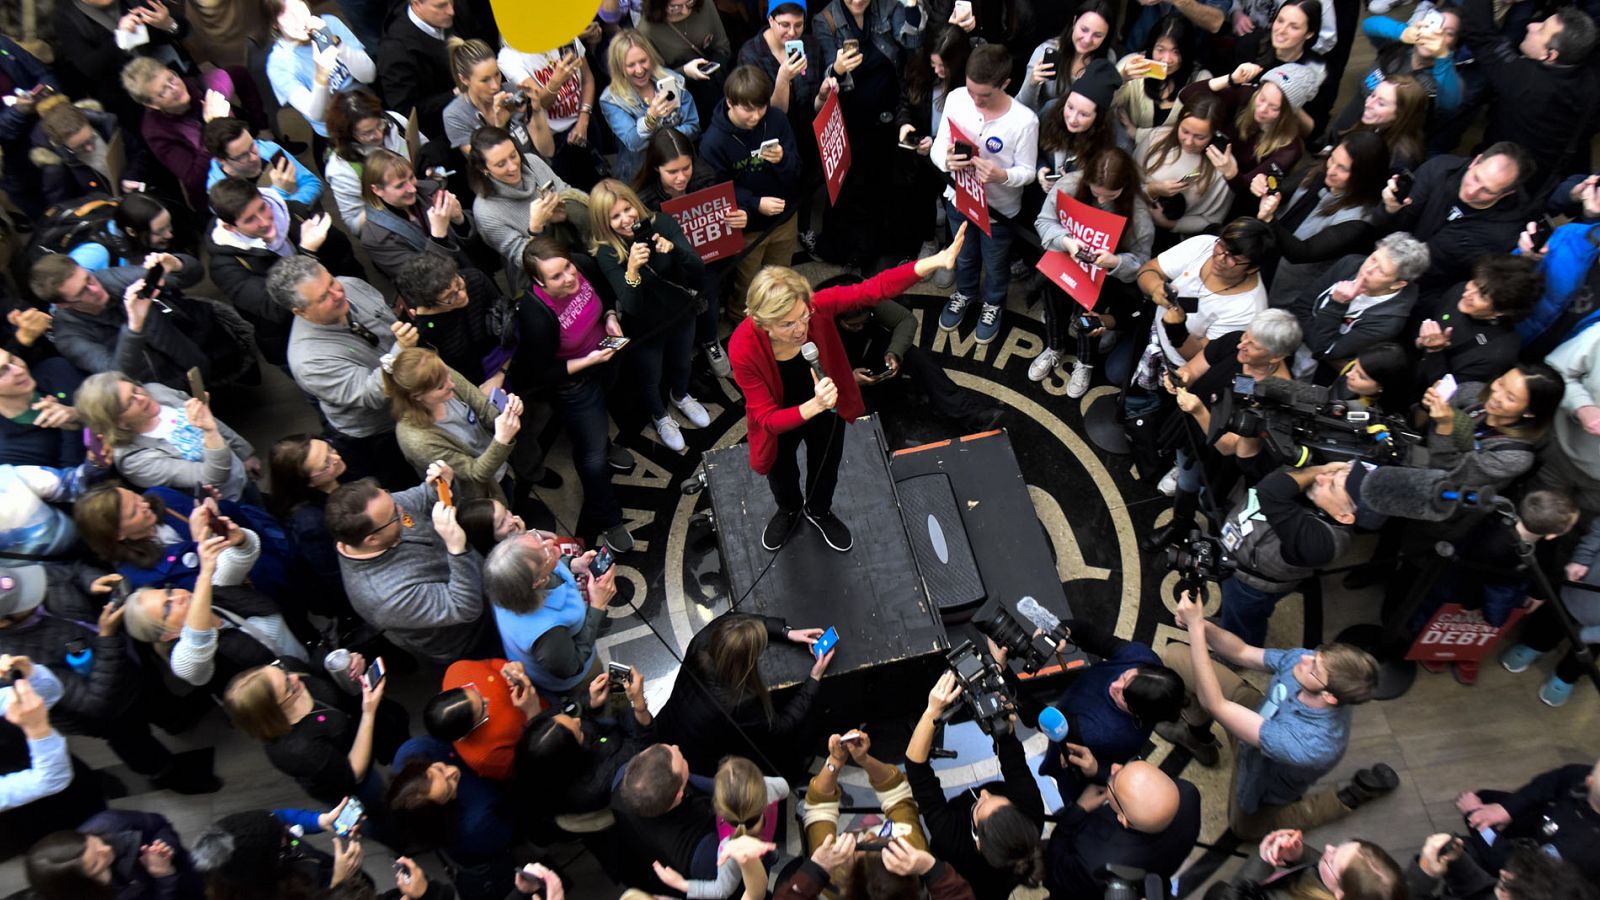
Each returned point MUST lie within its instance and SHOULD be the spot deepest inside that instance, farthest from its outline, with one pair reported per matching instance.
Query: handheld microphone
(809, 351)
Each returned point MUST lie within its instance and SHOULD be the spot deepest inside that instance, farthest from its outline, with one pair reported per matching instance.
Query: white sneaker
(1381, 7)
(671, 435)
(693, 411)
(1078, 384)
(1044, 364)
(1169, 482)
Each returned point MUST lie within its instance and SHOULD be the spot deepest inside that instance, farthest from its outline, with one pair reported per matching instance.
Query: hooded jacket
(1456, 234)
(64, 176)
(734, 154)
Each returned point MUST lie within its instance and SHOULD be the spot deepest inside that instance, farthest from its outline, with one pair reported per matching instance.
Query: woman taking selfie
(1330, 215)
(1147, 102)
(1291, 38)
(518, 196)
(655, 274)
(1187, 193)
(313, 60)
(1485, 435)
(1059, 62)
(406, 217)
(1260, 128)
(1396, 111)
(1108, 181)
(439, 415)
(644, 96)
(482, 100)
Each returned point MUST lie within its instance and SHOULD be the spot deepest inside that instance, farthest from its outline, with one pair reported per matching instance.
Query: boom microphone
(1423, 494)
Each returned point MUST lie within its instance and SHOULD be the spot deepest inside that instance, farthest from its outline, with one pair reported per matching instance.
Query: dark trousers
(1543, 632)
(946, 399)
(824, 440)
(581, 400)
(377, 455)
(664, 357)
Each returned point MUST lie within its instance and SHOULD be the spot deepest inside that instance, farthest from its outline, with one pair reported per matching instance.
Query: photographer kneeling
(990, 834)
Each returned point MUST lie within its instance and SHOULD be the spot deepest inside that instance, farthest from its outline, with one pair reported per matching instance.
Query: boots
(1184, 505)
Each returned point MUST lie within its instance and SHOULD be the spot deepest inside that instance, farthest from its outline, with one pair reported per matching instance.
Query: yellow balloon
(534, 26)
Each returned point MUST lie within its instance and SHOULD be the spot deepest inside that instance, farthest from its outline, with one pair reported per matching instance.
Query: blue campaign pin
(993, 144)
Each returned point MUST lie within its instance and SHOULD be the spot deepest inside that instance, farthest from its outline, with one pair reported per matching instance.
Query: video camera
(983, 688)
(1198, 558)
(1302, 426)
(1033, 651)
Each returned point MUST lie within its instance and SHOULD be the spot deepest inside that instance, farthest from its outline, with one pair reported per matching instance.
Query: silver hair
(283, 282)
(508, 575)
(1409, 254)
(1277, 331)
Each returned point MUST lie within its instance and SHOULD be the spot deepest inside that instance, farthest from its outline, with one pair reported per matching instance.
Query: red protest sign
(1094, 228)
(834, 144)
(1458, 635)
(700, 216)
(971, 198)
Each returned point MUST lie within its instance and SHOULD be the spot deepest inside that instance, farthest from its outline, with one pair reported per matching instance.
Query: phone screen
(374, 674)
(825, 643)
(349, 817)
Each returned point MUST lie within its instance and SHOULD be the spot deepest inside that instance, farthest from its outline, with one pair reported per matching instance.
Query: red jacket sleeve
(890, 283)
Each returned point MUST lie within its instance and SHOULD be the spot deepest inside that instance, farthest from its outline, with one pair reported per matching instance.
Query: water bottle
(1042, 618)
(80, 658)
(1053, 724)
(337, 662)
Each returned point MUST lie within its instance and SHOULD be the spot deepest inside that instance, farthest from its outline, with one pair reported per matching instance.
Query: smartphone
(965, 149)
(1542, 229)
(912, 137)
(610, 342)
(546, 189)
(349, 817)
(401, 872)
(445, 496)
(120, 592)
(1051, 57)
(1446, 387)
(538, 883)
(1190, 305)
(851, 737)
(665, 86)
(1087, 255)
(1088, 321)
(710, 67)
(1190, 178)
(962, 9)
(374, 673)
(769, 142)
(1053, 177)
(1220, 141)
(93, 443)
(825, 643)
(499, 398)
(601, 563)
(850, 45)
(794, 48)
(621, 675)
(152, 281)
(1488, 835)
(1274, 179)
(10, 678)
(1403, 180)
(440, 173)
(322, 39)
(1156, 70)
(1433, 20)
(643, 231)
(197, 384)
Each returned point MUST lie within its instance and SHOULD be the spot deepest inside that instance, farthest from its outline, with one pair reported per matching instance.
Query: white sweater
(1010, 141)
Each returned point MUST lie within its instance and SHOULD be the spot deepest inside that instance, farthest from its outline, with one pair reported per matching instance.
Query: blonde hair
(99, 402)
(253, 705)
(1283, 132)
(137, 75)
(773, 292)
(416, 370)
(602, 199)
(739, 795)
(621, 89)
(381, 166)
(466, 55)
(1352, 673)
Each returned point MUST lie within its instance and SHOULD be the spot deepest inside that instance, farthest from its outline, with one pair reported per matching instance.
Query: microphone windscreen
(1406, 492)
(809, 351)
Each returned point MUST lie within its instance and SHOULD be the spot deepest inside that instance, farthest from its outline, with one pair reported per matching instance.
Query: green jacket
(474, 474)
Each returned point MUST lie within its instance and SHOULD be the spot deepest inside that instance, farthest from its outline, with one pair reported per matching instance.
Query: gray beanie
(1298, 81)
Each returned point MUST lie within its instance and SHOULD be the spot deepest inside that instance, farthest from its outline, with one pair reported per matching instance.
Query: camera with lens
(1030, 650)
(1301, 425)
(1198, 558)
(983, 688)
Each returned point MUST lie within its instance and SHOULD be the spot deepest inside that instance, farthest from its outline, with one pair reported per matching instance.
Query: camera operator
(1559, 810)
(1284, 739)
(1281, 531)
(989, 834)
(1260, 352)
(1141, 818)
(1112, 706)
(1444, 871)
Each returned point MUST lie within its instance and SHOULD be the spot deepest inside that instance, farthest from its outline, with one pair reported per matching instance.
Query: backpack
(85, 220)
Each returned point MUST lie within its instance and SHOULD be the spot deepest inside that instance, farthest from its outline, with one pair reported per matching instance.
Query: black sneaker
(779, 528)
(833, 530)
(619, 458)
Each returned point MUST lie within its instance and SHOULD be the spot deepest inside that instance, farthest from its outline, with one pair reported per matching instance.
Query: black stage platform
(892, 638)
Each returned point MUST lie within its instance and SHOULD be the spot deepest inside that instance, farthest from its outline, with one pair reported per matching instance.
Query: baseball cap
(21, 589)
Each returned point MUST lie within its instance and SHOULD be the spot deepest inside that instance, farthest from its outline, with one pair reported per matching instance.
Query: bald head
(1148, 797)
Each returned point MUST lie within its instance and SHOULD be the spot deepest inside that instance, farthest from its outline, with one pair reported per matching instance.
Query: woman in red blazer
(785, 406)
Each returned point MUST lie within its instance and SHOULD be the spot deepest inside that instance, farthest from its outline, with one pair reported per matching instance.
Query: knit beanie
(1298, 81)
(1098, 83)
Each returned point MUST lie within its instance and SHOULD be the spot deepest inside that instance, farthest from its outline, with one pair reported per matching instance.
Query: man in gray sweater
(342, 334)
(407, 567)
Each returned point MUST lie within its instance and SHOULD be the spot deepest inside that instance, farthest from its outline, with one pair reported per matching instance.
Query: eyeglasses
(1111, 791)
(400, 516)
(801, 322)
(1231, 255)
(253, 153)
(291, 686)
(374, 136)
(135, 396)
(1311, 669)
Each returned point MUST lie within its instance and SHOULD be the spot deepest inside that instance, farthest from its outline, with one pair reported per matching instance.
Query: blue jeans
(581, 400)
(1246, 610)
(993, 252)
(665, 357)
(1189, 473)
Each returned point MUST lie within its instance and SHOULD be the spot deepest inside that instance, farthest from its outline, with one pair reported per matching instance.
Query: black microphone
(809, 351)
(1410, 493)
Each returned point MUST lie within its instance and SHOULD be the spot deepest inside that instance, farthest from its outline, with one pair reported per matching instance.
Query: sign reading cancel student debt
(834, 144)
(700, 215)
(972, 201)
(1098, 231)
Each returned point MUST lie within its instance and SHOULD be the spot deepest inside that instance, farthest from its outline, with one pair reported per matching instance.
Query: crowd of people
(473, 252)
